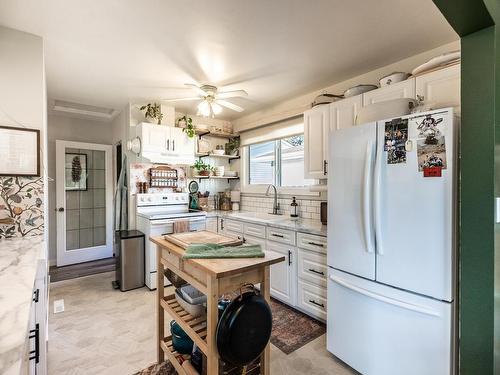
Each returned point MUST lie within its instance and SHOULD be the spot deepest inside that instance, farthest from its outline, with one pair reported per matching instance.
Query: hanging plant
(152, 111)
(186, 123)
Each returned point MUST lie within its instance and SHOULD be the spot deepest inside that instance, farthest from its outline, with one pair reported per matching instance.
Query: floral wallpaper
(21, 206)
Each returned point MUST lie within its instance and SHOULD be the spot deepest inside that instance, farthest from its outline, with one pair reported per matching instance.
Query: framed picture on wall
(19, 151)
(75, 171)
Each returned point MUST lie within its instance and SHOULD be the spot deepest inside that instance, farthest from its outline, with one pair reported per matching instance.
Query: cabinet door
(211, 224)
(284, 274)
(181, 144)
(343, 113)
(404, 89)
(441, 88)
(154, 137)
(315, 141)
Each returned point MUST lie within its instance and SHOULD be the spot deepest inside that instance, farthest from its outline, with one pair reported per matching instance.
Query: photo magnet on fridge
(431, 155)
(395, 138)
(428, 129)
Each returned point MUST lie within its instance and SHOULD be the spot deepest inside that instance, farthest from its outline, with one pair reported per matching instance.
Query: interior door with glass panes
(84, 197)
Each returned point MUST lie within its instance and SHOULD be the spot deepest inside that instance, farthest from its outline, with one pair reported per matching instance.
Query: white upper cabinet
(165, 144)
(404, 89)
(153, 137)
(343, 113)
(441, 88)
(181, 143)
(316, 125)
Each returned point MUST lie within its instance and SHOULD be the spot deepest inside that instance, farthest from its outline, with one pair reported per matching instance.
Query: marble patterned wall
(21, 206)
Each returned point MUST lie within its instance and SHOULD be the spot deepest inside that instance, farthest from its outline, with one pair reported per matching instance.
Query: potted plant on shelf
(202, 169)
(186, 123)
(153, 111)
(233, 146)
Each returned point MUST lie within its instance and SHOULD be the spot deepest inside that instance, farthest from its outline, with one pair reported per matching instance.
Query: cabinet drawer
(311, 242)
(231, 225)
(281, 235)
(312, 267)
(312, 299)
(255, 230)
(170, 258)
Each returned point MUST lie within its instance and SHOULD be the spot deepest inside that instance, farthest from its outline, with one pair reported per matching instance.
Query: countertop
(276, 221)
(19, 259)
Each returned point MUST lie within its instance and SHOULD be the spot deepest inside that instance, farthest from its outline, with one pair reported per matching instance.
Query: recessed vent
(83, 109)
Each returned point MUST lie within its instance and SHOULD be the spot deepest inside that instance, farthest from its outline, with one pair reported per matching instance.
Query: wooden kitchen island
(213, 277)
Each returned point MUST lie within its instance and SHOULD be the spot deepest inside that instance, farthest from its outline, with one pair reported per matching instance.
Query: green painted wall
(474, 21)
(476, 232)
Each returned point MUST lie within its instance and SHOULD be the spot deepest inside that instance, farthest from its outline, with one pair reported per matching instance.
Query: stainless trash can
(129, 259)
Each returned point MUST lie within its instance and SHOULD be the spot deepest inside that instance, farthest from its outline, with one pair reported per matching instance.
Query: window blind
(286, 128)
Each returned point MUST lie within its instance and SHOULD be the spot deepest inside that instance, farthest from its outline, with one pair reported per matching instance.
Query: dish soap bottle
(294, 208)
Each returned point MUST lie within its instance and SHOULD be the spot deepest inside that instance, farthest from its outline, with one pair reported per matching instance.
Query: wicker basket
(174, 279)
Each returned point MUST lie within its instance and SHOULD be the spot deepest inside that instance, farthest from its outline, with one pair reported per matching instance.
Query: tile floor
(104, 331)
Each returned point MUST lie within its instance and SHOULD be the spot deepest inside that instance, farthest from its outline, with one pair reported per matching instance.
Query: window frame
(246, 187)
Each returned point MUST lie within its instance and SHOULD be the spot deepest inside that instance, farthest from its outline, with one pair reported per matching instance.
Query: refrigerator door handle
(367, 195)
(381, 298)
(377, 191)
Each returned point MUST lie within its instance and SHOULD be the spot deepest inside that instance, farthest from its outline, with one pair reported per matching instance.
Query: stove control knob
(149, 199)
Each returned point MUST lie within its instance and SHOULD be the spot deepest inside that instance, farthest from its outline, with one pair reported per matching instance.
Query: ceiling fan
(212, 100)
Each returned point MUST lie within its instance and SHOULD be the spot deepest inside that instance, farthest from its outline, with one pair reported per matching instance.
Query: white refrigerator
(391, 245)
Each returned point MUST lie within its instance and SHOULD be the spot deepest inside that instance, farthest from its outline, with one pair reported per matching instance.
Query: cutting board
(187, 238)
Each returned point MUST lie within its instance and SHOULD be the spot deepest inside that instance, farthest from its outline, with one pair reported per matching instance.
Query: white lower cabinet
(211, 224)
(311, 299)
(36, 357)
(300, 281)
(312, 267)
(283, 274)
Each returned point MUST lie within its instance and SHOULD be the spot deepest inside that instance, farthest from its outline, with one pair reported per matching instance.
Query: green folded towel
(212, 250)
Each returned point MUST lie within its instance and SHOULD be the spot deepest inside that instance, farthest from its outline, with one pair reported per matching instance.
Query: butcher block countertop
(221, 267)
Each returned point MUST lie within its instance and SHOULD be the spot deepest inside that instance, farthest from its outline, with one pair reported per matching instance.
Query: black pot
(244, 328)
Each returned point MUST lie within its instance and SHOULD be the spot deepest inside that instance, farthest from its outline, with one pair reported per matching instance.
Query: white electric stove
(155, 216)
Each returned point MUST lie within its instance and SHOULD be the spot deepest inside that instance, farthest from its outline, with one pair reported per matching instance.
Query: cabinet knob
(60, 209)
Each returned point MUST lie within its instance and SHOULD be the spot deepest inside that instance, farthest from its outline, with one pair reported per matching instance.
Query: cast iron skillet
(245, 327)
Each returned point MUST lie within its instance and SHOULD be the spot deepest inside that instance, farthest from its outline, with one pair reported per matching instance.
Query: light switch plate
(58, 306)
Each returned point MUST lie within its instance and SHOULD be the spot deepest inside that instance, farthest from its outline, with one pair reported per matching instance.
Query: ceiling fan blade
(197, 89)
(182, 99)
(231, 94)
(229, 105)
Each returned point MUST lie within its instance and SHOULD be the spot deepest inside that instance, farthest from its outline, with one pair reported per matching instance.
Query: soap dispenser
(294, 212)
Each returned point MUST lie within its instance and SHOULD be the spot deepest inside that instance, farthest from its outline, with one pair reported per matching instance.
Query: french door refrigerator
(391, 225)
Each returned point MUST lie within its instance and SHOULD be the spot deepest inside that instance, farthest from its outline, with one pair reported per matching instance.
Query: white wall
(296, 106)
(23, 100)
(69, 129)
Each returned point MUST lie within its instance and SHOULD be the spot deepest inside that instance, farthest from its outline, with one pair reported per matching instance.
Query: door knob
(60, 209)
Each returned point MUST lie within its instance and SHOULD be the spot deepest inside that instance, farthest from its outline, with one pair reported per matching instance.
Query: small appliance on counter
(129, 248)
(193, 195)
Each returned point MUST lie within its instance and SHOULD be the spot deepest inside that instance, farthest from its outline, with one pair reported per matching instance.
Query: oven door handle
(171, 221)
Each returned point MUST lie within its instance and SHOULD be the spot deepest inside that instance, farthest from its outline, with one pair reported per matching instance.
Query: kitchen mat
(293, 329)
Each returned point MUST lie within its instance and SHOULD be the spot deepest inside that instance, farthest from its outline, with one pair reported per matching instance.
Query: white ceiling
(108, 52)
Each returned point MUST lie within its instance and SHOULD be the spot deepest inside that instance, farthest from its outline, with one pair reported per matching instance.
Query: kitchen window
(279, 162)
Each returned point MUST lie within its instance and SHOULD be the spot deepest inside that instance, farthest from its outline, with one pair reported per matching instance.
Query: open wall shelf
(229, 158)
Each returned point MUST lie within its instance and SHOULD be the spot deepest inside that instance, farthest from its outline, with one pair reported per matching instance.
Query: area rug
(166, 368)
(291, 331)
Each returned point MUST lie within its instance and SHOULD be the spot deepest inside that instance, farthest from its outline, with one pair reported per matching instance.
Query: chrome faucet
(276, 206)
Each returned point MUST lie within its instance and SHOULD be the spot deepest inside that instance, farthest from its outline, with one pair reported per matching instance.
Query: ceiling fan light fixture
(204, 108)
(216, 109)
